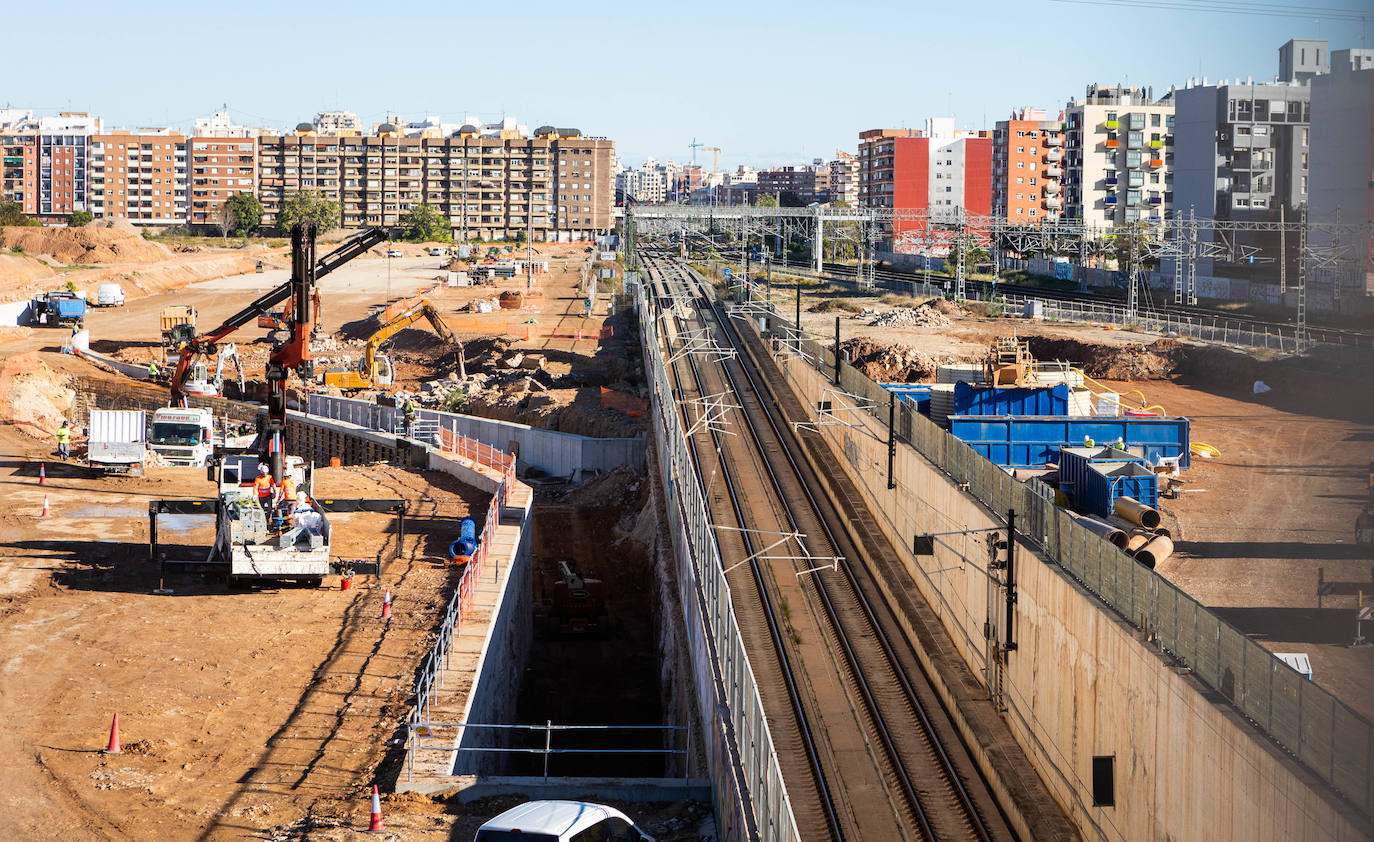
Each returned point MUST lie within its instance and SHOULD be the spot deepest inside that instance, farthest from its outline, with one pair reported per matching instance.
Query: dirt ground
(1253, 526)
(240, 710)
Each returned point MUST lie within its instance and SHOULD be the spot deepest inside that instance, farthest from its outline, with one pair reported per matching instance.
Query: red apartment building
(220, 167)
(930, 173)
(1027, 165)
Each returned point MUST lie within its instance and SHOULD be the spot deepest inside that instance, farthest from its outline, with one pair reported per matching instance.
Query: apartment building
(139, 175)
(936, 172)
(1119, 151)
(811, 185)
(555, 184)
(844, 178)
(337, 122)
(220, 168)
(1027, 168)
(45, 165)
(1342, 167)
(643, 185)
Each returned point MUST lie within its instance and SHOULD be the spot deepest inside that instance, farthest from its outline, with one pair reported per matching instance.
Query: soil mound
(1155, 361)
(33, 397)
(886, 363)
(116, 223)
(85, 245)
(929, 314)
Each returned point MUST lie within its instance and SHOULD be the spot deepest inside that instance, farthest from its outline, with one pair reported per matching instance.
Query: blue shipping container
(1026, 442)
(1010, 400)
(1094, 477)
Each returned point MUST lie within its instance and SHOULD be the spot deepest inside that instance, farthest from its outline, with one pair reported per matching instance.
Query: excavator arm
(206, 342)
(422, 309)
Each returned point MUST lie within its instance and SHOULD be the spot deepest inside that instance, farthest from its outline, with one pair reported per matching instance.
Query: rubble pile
(922, 316)
(886, 363)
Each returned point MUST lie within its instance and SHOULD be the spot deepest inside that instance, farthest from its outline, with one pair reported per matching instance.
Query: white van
(561, 821)
(109, 295)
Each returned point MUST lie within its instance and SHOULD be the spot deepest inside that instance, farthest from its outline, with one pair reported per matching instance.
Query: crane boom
(205, 343)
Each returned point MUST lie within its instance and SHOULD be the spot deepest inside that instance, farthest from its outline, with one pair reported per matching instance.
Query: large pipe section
(1103, 530)
(1136, 512)
(1159, 548)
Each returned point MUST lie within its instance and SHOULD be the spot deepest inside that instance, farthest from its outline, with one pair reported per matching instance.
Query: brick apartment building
(810, 185)
(490, 183)
(140, 176)
(220, 167)
(46, 163)
(938, 170)
(1027, 168)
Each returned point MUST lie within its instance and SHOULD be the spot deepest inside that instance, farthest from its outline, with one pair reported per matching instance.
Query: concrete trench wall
(1081, 684)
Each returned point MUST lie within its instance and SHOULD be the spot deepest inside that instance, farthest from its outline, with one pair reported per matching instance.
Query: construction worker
(263, 485)
(152, 370)
(64, 440)
(408, 411)
(289, 497)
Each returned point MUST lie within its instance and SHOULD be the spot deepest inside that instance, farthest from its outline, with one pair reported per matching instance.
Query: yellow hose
(1105, 388)
(1206, 451)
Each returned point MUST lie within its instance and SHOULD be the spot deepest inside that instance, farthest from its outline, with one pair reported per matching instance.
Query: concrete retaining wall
(1081, 684)
(14, 313)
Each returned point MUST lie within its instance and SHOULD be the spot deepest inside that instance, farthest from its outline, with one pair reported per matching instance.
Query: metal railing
(431, 678)
(419, 731)
(1309, 722)
(746, 774)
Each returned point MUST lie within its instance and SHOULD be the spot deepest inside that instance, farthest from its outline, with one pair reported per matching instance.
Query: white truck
(183, 436)
(257, 543)
(116, 440)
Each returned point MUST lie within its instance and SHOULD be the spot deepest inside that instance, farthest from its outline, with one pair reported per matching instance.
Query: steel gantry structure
(1335, 251)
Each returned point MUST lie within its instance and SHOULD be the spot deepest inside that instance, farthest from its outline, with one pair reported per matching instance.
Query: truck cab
(183, 436)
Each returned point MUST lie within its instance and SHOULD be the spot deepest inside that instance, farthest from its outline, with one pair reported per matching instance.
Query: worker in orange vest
(263, 485)
(288, 494)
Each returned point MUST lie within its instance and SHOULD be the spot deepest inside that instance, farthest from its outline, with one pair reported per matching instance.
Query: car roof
(557, 817)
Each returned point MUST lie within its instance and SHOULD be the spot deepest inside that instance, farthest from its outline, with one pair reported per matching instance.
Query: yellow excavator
(375, 370)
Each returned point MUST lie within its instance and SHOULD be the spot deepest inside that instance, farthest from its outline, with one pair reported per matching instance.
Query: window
(1032, 181)
(1020, 180)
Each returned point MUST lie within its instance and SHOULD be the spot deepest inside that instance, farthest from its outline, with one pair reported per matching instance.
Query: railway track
(884, 750)
(901, 281)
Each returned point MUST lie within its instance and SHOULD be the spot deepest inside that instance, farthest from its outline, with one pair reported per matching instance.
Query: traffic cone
(376, 826)
(386, 605)
(113, 747)
(44, 513)
(42, 474)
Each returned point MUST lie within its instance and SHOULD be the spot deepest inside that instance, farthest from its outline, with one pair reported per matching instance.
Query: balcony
(1156, 200)
(1054, 140)
(1111, 143)
(1054, 156)
(1056, 202)
(1156, 144)
(1156, 162)
(1110, 200)
(1111, 125)
(1051, 187)
(1111, 182)
(1054, 172)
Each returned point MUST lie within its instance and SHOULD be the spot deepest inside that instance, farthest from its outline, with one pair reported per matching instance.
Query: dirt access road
(239, 710)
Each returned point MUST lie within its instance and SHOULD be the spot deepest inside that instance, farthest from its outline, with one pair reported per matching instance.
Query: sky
(770, 83)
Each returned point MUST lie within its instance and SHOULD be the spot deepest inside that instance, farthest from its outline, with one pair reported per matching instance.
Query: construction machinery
(201, 382)
(579, 603)
(276, 320)
(1009, 362)
(373, 369)
(62, 307)
(178, 328)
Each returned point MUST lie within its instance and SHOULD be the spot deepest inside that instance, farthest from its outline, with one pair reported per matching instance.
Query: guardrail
(420, 730)
(739, 748)
(1309, 722)
(431, 679)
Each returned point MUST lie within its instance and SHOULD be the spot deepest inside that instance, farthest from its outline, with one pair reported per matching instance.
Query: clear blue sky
(768, 82)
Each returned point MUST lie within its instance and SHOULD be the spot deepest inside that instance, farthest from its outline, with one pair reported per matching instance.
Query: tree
(76, 219)
(247, 213)
(224, 220)
(308, 206)
(424, 224)
(1133, 236)
(972, 254)
(765, 200)
(11, 213)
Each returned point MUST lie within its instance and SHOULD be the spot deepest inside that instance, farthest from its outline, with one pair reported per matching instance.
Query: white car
(436, 251)
(561, 821)
(394, 253)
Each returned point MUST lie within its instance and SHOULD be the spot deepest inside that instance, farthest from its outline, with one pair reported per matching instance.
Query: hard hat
(262, 468)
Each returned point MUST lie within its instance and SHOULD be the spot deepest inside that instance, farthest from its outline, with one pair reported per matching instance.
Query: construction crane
(279, 319)
(694, 146)
(294, 351)
(715, 159)
(375, 369)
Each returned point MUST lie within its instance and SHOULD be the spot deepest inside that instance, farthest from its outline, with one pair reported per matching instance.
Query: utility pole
(1131, 302)
(1300, 338)
(1283, 252)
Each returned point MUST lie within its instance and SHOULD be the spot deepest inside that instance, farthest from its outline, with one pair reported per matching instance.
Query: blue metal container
(1093, 477)
(1010, 400)
(917, 393)
(466, 544)
(1026, 442)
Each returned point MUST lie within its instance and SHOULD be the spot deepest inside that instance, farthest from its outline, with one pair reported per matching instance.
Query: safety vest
(288, 489)
(408, 408)
(64, 435)
(152, 369)
(263, 485)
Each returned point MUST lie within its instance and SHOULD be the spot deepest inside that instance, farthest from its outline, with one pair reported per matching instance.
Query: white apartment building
(1119, 156)
(337, 122)
(642, 185)
(844, 178)
(220, 124)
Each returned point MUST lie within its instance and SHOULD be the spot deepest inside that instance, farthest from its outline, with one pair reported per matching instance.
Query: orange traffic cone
(386, 605)
(376, 825)
(44, 513)
(113, 747)
(42, 473)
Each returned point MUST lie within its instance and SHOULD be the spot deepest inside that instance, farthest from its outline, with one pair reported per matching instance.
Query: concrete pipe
(1103, 530)
(1136, 540)
(1137, 512)
(1154, 552)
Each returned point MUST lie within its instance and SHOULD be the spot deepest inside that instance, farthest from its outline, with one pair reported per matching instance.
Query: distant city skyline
(771, 84)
